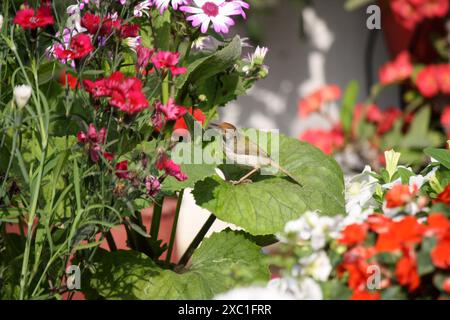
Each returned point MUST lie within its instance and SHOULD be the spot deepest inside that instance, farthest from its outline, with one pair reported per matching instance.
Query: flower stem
(156, 219)
(197, 240)
(174, 227)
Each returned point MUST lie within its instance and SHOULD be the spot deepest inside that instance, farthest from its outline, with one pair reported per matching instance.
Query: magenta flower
(93, 138)
(171, 168)
(171, 111)
(217, 12)
(143, 57)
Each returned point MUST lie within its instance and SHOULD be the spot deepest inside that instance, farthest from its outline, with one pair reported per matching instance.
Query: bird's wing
(248, 147)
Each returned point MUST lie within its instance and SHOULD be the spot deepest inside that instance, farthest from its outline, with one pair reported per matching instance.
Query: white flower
(392, 159)
(1, 21)
(317, 265)
(359, 191)
(141, 8)
(312, 227)
(303, 289)
(254, 293)
(22, 95)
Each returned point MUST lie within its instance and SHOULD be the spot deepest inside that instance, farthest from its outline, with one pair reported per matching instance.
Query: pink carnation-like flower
(217, 12)
(94, 139)
(168, 60)
(171, 168)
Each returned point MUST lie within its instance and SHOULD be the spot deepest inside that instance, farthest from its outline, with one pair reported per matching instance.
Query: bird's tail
(287, 173)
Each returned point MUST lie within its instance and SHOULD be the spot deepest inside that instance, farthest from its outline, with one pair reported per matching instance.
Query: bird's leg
(248, 175)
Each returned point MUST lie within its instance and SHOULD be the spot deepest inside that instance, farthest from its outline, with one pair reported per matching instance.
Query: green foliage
(223, 261)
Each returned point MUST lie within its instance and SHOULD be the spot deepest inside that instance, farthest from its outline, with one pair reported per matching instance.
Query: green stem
(165, 90)
(174, 228)
(156, 219)
(197, 240)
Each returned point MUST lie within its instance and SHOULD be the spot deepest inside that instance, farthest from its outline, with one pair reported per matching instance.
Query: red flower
(440, 255)
(91, 22)
(400, 234)
(398, 196)
(398, 70)
(80, 47)
(122, 170)
(411, 12)
(446, 285)
(168, 60)
(438, 225)
(171, 111)
(379, 223)
(170, 167)
(128, 96)
(365, 295)
(443, 77)
(445, 118)
(144, 56)
(198, 115)
(129, 30)
(327, 141)
(388, 119)
(406, 272)
(27, 18)
(427, 83)
(354, 234)
(313, 102)
(355, 262)
(68, 79)
(444, 196)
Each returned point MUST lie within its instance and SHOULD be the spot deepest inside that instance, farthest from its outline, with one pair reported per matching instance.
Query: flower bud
(22, 95)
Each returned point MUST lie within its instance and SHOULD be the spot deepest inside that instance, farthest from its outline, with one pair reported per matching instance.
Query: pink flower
(80, 47)
(144, 56)
(152, 185)
(162, 5)
(170, 167)
(217, 12)
(171, 111)
(168, 60)
(398, 70)
(94, 138)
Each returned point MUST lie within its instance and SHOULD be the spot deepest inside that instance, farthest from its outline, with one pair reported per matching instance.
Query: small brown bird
(241, 150)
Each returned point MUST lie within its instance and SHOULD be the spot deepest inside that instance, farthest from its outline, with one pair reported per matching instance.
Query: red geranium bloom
(355, 262)
(379, 223)
(444, 196)
(313, 102)
(327, 141)
(400, 234)
(406, 272)
(440, 255)
(398, 70)
(446, 285)
(129, 30)
(168, 60)
(443, 77)
(438, 225)
(27, 18)
(398, 196)
(354, 234)
(365, 295)
(198, 115)
(427, 82)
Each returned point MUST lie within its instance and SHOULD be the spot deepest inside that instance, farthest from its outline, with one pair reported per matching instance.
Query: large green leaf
(223, 261)
(441, 155)
(267, 204)
(206, 67)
